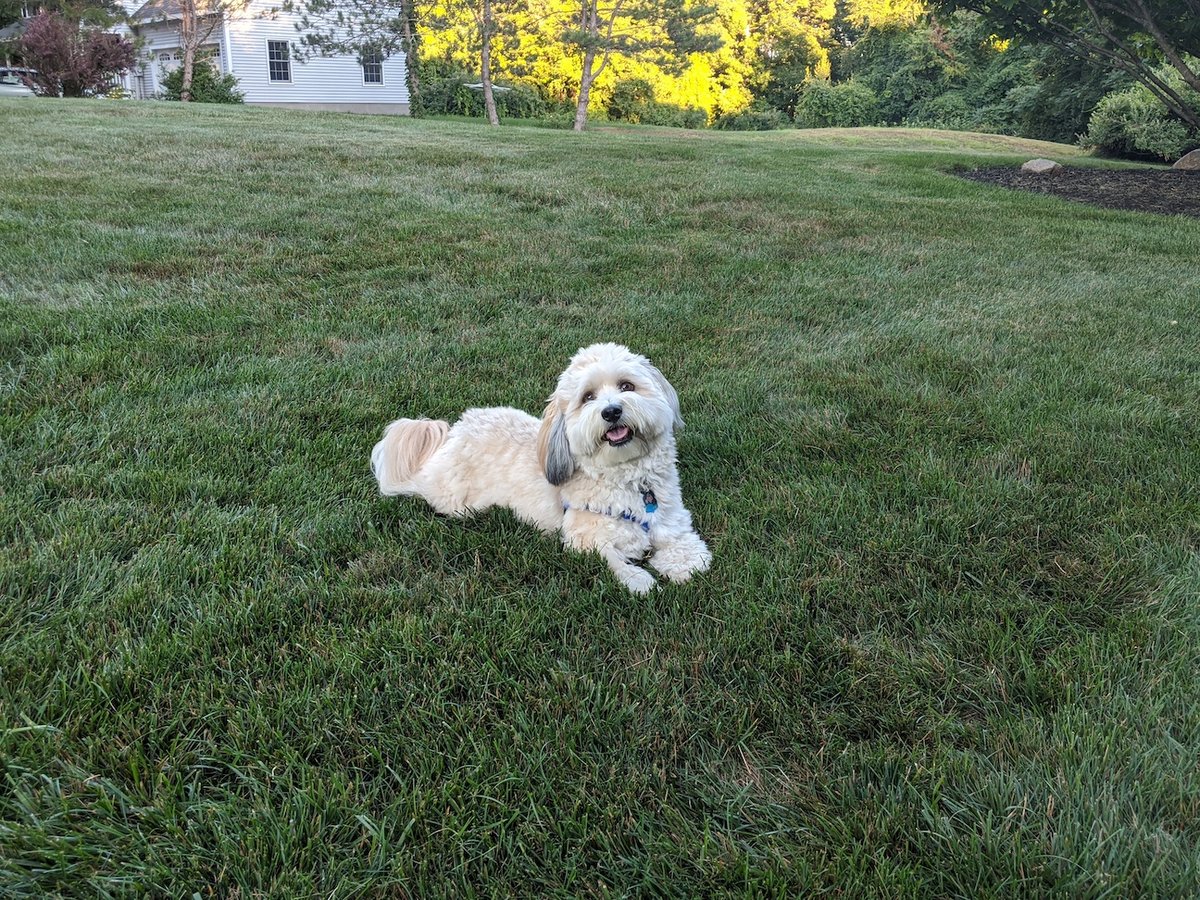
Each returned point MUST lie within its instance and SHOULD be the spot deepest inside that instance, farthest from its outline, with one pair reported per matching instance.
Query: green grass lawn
(942, 439)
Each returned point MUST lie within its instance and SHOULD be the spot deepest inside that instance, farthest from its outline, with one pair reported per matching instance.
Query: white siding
(332, 81)
(158, 49)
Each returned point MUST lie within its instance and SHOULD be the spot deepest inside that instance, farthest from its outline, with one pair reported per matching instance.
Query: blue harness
(649, 501)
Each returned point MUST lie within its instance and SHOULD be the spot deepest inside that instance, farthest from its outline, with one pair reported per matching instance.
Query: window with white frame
(279, 64)
(372, 66)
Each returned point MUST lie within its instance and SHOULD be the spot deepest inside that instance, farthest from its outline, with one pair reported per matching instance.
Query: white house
(256, 43)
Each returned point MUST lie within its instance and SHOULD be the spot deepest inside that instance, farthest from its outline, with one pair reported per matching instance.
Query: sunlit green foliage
(929, 64)
(765, 48)
(634, 101)
(883, 13)
(950, 73)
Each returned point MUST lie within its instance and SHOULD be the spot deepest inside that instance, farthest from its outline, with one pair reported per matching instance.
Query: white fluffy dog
(599, 466)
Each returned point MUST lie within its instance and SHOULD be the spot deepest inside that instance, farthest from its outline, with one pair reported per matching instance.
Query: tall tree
(1131, 36)
(487, 28)
(477, 24)
(666, 29)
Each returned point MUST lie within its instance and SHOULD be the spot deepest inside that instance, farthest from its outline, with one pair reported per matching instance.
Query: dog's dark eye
(626, 386)
(589, 397)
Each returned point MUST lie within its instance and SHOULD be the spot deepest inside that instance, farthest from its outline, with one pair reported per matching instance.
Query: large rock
(1189, 162)
(1042, 167)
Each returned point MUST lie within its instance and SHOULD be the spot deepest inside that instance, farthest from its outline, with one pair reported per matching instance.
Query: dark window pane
(372, 64)
(278, 62)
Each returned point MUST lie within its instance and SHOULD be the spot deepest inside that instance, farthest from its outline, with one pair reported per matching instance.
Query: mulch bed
(1146, 190)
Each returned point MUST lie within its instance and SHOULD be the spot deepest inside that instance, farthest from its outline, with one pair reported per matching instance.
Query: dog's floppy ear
(669, 393)
(553, 450)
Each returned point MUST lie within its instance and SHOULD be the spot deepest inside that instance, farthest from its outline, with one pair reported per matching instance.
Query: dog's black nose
(611, 413)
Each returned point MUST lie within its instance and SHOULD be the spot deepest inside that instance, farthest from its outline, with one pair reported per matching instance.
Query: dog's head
(611, 405)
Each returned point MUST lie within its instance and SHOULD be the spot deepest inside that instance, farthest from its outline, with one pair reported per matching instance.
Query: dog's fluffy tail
(406, 446)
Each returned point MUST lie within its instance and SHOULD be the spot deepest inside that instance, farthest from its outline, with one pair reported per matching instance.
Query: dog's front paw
(679, 562)
(637, 580)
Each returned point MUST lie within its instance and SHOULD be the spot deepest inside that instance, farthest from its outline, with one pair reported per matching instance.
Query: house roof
(13, 31)
(158, 10)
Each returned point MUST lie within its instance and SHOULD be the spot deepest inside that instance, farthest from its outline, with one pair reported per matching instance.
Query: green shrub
(757, 117)
(450, 95)
(207, 85)
(673, 116)
(1135, 123)
(846, 105)
(949, 110)
(633, 101)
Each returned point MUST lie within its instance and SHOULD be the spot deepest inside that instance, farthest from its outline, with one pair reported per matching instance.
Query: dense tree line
(771, 63)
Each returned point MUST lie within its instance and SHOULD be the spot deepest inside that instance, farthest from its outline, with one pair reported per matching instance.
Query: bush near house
(208, 86)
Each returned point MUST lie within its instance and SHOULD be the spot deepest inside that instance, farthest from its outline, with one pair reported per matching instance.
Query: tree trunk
(585, 88)
(485, 63)
(187, 40)
(589, 22)
(189, 68)
(412, 60)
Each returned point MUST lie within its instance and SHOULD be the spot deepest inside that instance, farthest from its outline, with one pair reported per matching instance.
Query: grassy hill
(943, 439)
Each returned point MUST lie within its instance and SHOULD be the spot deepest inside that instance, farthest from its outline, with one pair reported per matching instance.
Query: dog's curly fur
(606, 441)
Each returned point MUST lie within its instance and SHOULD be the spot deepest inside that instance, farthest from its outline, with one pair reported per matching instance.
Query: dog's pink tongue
(617, 434)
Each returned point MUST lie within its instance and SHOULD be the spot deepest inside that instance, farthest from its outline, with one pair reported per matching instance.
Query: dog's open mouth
(618, 435)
